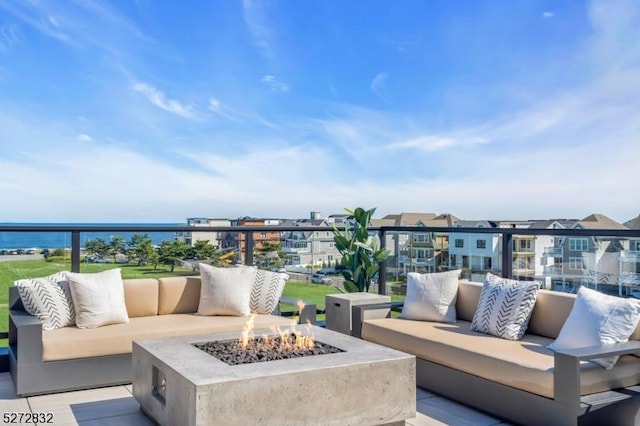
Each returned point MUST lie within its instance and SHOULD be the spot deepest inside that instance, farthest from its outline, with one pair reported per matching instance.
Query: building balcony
(630, 255)
(552, 252)
(553, 271)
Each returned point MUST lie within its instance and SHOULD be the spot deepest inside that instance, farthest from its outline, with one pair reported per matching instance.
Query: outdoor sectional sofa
(519, 381)
(70, 358)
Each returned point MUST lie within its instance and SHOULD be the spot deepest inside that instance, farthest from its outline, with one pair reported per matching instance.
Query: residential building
(237, 241)
(418, 251)
(214, 237)
(630, 263)
(475, 254)
(480, 253)
(590, 261)
(315, 248)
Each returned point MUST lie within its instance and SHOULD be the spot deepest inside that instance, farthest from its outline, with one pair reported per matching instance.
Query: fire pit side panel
(164, 394)
(365, 394)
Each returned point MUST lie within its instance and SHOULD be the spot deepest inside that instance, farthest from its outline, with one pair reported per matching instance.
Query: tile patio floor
(116, 406)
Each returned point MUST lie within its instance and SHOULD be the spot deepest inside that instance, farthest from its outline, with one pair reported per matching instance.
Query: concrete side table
(338, 308)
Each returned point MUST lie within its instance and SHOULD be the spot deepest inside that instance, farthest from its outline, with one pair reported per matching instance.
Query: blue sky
(161, 110)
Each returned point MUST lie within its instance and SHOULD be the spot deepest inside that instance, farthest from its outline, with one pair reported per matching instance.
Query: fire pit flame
(290, 338)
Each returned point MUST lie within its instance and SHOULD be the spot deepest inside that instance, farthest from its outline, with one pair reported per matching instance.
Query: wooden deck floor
(116, 406)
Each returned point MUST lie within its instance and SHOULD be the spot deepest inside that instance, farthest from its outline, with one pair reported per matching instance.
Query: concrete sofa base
(525, 408)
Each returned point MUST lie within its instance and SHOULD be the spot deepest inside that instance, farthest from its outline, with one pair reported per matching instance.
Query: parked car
(319, 278)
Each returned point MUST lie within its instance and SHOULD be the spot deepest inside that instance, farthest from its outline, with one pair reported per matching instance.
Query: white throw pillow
(266, 291)
(598, 319)
(225, 291)
(505, 307)
(49, 299)
(431, 297)
(98, 298)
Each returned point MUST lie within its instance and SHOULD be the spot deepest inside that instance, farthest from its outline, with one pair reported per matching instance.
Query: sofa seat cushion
(73, 342)
(525, 364)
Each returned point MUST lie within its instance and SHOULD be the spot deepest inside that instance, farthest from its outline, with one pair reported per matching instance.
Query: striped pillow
(504, 307)
(49, 299)
(266, 291)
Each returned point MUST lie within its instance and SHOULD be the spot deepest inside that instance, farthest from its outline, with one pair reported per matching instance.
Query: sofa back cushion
(467, 301)
(178, 295)
(551, 310)
(141, 297)
(550, 313)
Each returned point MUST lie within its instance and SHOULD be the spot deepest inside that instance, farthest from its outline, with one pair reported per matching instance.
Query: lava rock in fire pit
(231, 352)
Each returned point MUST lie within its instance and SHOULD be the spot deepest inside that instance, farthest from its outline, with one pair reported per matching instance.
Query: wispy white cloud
(255, 17)
(232, 114)
(377, 84)
(39, 16)
(435, 143)
(221, 110)
(83, 137)
(158, 98)
(8, 37)
(275, 84)
(548, 14)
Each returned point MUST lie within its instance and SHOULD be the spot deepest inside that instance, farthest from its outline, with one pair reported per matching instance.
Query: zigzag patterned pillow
(504, 307)
(266, 291)
(49, 299)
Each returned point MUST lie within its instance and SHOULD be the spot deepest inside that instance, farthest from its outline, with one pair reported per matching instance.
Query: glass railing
(608, 265)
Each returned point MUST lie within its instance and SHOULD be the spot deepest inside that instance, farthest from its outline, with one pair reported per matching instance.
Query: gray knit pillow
(504, 307)
(266, 291)
(49, 299)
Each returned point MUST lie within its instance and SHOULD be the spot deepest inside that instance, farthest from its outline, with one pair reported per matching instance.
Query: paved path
(12, 257)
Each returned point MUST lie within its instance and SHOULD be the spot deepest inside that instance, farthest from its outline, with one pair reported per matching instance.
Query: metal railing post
(382, 272)
(75, 251)
(507, 255)
(248, 248)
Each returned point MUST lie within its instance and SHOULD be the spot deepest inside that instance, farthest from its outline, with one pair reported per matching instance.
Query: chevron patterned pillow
(504, 307)
(266, 291)
(49, 299)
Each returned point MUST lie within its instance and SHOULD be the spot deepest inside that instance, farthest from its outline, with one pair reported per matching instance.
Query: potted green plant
(361, 252)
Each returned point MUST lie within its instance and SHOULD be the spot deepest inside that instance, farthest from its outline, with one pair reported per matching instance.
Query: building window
(578, 244)
(459, 243)
(421, 238)
(525, 244)
(481, 244)
(577, 263)
(635, 245)
(487, 262)
(465, 261)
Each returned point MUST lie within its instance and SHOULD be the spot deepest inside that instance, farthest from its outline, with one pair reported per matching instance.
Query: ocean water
(50, 240)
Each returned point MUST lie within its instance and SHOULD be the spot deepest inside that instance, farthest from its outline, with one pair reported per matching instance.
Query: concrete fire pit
(367, 384)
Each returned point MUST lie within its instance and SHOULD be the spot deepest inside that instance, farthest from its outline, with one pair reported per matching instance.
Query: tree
(141, 248)
(269, 255)
(202, 250)
(98, 247)
(361, 253)
(117, 246)
(171, 253)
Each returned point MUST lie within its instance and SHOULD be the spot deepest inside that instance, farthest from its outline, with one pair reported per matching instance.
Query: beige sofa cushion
(72, 342)
(178, 295)
(526, 364)
(467, 301)
(550, 312)
(141, 297)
